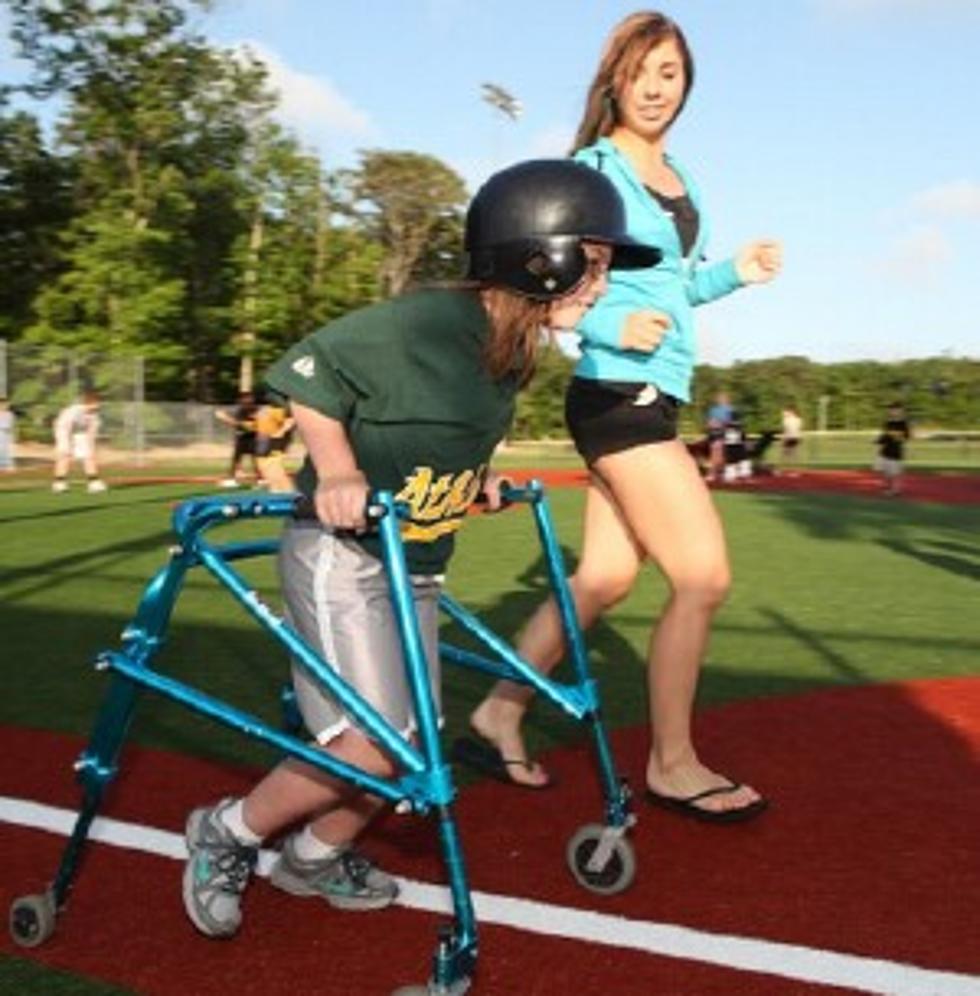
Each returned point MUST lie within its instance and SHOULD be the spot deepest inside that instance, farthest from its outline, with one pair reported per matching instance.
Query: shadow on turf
(49, 573)
(965, 562)
(462, 688)
(91, 506)
(49, 678)
(828, 516)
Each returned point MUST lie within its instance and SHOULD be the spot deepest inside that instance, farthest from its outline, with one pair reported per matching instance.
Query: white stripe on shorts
(326, 558)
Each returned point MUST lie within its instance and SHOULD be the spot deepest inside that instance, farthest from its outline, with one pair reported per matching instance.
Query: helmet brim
(628, 254)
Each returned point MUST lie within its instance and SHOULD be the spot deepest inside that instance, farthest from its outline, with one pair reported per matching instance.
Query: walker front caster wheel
(32, 919)
(601, 859)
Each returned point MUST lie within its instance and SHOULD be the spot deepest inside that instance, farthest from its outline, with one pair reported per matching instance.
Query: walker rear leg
(32, 918)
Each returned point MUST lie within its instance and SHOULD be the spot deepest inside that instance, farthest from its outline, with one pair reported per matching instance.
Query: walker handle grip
(305, 511)
(509, 493)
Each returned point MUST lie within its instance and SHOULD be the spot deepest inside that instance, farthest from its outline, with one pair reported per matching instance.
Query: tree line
(942, 392)
(172, 217)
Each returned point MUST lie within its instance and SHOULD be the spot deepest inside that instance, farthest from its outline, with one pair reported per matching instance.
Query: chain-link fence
(40, 380)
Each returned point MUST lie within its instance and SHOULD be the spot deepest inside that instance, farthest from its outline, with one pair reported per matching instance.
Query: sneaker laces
(357, 867)
(235, 862)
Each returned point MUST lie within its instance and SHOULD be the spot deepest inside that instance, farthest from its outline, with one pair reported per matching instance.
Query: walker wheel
(32, 919)
(619, 870)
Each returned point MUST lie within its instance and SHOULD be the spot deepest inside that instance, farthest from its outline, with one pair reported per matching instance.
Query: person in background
(411, 395)
(8, 427)
(273, 426)
(792, 436)
(736, 461)
(76, 432)
(716, 424)
(242, 419)
(646, 498)
(891, 449)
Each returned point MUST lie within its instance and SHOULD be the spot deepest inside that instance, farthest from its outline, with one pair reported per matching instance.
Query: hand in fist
(643, 331)
(759, 262)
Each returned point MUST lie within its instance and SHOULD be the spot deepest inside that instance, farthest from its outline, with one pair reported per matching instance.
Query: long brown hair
(625, 49)
(518, 326)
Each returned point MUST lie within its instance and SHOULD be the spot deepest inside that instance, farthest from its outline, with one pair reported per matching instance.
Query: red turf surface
(956, 489)
(870, 848)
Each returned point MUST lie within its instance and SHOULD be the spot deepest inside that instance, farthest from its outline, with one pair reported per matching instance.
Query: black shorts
(268, 445)
(244, 444)
(607, 416)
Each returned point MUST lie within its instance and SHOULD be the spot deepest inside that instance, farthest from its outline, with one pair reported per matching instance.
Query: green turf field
(828, 591)
(926, 453)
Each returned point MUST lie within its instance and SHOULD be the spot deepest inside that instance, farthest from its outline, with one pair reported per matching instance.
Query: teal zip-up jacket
(674, 286)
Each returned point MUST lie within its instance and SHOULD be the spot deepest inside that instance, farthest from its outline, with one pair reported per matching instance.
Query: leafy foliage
(34, 206)
(411, 203)
(175, 219)
(940, 391)
(188, 226)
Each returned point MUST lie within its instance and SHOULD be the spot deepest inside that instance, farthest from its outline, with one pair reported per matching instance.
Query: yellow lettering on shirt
(437, 504)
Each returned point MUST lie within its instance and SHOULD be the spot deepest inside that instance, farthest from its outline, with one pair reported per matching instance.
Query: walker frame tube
(580, 700)
(427, 779)
(427, 782)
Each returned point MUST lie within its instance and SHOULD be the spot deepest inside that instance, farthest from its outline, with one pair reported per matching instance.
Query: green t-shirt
(406, 378)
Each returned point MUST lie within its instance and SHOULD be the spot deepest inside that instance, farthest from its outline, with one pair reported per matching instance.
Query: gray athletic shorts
(337, 599)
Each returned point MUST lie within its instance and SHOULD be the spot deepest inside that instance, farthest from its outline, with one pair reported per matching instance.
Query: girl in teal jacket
(646, 499)
(674, 286)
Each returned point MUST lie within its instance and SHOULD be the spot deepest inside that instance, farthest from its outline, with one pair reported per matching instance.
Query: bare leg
(716, 460)
(272, 471)
(669, 510)
(606, 572)
(293, 790)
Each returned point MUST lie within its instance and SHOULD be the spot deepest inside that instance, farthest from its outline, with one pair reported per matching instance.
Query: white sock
(309, 847)
(233, 817)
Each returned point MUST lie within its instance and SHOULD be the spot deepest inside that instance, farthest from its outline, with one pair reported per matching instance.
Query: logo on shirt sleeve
(305, 366)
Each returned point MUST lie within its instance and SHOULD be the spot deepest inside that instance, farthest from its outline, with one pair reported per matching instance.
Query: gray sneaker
(218, 869)
(347, 881)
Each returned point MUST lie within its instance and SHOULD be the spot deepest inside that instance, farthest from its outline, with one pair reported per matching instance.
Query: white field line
(792, 961)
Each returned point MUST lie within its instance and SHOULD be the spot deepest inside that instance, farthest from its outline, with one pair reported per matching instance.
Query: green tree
(130, 71)
(297, 267)
(203, 237)
(413, 205)
(541, 406)
(34, 205)
(940, 391)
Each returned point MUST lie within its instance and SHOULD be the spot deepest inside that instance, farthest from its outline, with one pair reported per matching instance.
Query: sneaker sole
(187, 882)
(298, 887)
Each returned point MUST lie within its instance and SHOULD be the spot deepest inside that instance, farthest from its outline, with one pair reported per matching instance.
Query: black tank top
(684, 214)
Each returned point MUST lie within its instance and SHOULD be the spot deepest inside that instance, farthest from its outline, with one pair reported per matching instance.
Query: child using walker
(411, 395)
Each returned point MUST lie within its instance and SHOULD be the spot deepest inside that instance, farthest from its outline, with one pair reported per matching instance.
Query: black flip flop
(688, 806)
(487, 759)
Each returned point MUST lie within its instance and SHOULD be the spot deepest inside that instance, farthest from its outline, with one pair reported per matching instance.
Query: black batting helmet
(526, 225)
